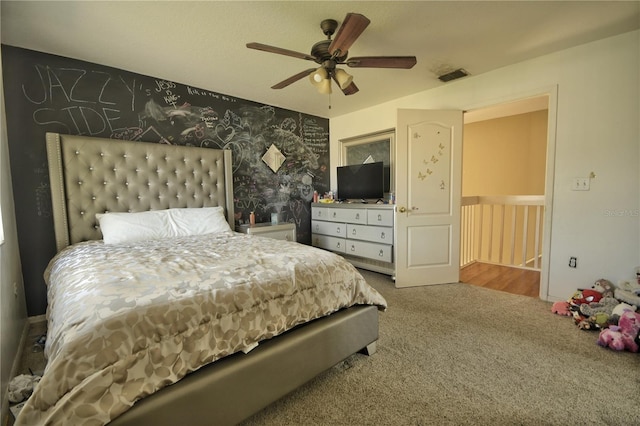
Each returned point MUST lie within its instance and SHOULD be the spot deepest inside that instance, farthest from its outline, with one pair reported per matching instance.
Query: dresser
(281, 231)
(362, 233)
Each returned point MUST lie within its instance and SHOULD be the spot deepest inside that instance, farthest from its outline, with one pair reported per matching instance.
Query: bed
(196, 325)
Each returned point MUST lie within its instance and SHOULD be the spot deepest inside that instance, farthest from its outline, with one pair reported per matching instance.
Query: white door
(428, 193)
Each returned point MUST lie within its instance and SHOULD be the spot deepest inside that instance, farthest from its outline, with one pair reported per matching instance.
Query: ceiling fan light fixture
(343, 78)
(318, 76)
(320, 79)
(324, 87)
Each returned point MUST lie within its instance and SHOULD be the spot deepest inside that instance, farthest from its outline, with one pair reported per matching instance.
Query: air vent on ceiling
(453, 75)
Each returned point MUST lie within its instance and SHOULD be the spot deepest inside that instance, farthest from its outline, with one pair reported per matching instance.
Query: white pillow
(129, 227)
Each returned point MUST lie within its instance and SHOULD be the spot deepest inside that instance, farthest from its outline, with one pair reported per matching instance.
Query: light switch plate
(581, 184)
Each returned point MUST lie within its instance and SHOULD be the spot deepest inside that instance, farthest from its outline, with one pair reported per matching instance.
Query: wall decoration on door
(430, 170)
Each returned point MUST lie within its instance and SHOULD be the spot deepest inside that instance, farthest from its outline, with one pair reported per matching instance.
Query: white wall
(597, 130)
(13, 308)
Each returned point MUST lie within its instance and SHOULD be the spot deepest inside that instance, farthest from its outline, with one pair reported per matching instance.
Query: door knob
(402, 210)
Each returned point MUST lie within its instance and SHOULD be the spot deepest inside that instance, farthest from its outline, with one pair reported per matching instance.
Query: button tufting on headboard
(130, 177)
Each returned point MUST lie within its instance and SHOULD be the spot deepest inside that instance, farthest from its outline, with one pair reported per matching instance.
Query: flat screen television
(361, 181)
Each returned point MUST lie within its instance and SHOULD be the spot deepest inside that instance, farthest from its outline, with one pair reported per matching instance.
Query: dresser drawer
(284, 231)
(380, 252)
(380, 217)
(329, 228)
(328, 243)
(320, 213)
(348, 215)
(376, 234)
(280, 235)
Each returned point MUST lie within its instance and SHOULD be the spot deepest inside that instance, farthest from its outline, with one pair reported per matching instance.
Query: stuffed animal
(627, 296)
(605, 305)
(624, 335)
(561, 308)
(597, 321)
(611, 338)
(585, 296)
(605, 287)
(621, 307)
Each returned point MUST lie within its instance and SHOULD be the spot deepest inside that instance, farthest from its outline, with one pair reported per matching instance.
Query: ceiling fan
(330, 53)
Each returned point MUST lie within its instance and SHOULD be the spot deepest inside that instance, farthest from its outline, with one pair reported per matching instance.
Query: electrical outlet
(581, 184)
(573, 262)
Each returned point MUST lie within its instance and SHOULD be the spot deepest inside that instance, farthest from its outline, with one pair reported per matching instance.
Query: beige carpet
(458, 354)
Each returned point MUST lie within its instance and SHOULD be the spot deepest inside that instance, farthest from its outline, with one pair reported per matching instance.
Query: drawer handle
(338, 231)
(353, 231)
(353, 248)
(379, 218)
(358, 216)
(317, 227)
(382, 235)
(319, 212)
(338, 245)
(334, 214)
(381, 254)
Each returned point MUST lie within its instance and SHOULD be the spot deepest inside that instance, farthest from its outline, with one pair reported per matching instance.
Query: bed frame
(94, 175)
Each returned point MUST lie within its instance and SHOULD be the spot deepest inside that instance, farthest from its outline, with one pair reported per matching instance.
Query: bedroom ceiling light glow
(343, 78)
(319, 75)
(321, 79)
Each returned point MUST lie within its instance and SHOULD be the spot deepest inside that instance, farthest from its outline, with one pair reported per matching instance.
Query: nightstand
(281, 231)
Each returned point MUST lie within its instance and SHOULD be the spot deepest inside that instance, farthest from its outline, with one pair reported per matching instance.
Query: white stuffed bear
(629, 292)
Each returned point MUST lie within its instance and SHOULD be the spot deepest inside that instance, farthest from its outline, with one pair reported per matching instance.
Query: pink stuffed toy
(624, 335)
(561, 308)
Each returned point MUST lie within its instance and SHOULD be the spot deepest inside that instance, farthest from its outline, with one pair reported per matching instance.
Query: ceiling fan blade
(279, 50)
(352, 26)
(349, 90)
(405, 62)
(293, 79)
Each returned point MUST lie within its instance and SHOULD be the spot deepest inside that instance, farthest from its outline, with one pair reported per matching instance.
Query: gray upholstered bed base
(92, 175)
(233, 388)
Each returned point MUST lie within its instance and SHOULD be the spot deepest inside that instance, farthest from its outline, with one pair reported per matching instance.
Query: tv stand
(362, 234)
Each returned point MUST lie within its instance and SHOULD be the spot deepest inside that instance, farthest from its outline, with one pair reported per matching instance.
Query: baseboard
(37, 319)
(14, 371)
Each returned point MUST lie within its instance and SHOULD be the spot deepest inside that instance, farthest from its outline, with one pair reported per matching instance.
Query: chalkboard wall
(48, 93)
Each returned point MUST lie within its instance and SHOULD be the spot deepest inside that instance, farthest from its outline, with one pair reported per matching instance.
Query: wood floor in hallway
(504, 278)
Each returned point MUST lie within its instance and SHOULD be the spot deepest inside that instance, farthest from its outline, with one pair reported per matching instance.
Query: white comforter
(126, 320)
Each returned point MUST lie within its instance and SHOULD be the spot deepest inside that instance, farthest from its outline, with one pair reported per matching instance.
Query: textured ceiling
(202, 44)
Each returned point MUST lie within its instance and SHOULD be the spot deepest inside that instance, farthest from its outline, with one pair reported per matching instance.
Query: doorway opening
(504, 188)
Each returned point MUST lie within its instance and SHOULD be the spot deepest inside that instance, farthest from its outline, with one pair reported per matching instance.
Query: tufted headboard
(96, 175)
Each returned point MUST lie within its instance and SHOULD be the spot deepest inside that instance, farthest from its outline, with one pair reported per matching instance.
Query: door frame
(552, 93)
